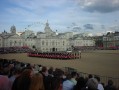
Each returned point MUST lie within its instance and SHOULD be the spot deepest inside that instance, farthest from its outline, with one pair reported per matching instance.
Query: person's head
(44, 71)
(37, 82)
(50, 70)
(110, 82)
(17, 72)
(6, 71)
(68, 76)
(27, 72)
(90, 76)
(97, 78)
(58, 73)
(74, 74)
(81, 82)
(92, 84)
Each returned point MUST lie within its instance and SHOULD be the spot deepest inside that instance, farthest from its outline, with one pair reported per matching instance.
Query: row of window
(51, 49)
(28, 39)
(52, 43)
(110, 39)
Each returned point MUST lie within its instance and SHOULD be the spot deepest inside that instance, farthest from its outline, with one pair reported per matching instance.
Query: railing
(104, 79)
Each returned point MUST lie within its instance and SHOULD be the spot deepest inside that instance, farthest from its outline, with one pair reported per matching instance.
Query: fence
(104, 79)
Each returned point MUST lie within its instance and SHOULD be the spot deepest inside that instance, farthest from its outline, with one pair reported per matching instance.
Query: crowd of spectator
(15, 75)
(84, 48)
(15, 50)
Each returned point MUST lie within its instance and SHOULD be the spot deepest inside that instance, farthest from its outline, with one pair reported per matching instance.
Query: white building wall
(47, 44)
(83, 42)
(26, 33)
(43, 35)
(1, 42)
(30, 42)
(14, 41)
(5, 43)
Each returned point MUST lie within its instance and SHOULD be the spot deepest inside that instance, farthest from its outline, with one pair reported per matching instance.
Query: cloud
(38, 4)
(76, 29)
(102, 6)
(102, 26)
(21, 15)
(88, 26)
(114, 28)
(74, 24)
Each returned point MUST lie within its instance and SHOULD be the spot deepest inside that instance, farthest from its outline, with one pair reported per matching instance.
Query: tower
(47, 28)
(13, 29)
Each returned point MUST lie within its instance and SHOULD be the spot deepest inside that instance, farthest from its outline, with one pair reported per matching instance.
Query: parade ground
(100, 62)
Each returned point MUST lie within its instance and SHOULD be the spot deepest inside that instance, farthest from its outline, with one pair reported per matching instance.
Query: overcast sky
(93, 16)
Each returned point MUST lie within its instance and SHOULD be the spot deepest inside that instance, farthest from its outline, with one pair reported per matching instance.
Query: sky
(83, 16)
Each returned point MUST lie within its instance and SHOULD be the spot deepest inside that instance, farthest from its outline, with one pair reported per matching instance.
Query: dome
(13, 29)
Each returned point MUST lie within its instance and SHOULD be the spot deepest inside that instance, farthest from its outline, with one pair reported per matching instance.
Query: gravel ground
(101, 62)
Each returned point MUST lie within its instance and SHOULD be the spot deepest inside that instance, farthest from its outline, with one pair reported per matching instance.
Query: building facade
(111, 40)
(1, 41)
(46, 41)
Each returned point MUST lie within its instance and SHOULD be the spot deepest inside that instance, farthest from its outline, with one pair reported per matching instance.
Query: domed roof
(13, 29)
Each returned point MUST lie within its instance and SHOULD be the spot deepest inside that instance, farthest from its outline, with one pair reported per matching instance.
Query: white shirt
(74, 81)
(100, 87)
(68, 85)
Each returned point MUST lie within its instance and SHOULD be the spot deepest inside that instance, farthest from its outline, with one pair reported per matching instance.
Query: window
(46, 43)
(53, 43)
(63, 43)
(56, 43)
(42, 42)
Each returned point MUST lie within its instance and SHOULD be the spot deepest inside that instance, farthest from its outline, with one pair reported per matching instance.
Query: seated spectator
(100, 86)
(110, 86)
(68, 84)
(23, 81)
(37, 82)
(16, 74)
(57, 79)
(90, 76)
(74, 76)
(92, 84)
(81, 84)
(48, 79)
(44, 73)
(4, 80)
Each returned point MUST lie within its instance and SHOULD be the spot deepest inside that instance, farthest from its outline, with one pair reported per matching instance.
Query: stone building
(111, 40)
(46, 41)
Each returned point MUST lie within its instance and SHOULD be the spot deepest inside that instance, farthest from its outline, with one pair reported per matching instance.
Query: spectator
(74, 76)
(4, 80)
(48, 79)
(23, 81)
(92, 84)
(100, 86)
(90, 76)
(68, 84)
(37, 82)
(81, 84)
(110, 85)
(16, 74)
(44, 73)
(57, 79)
